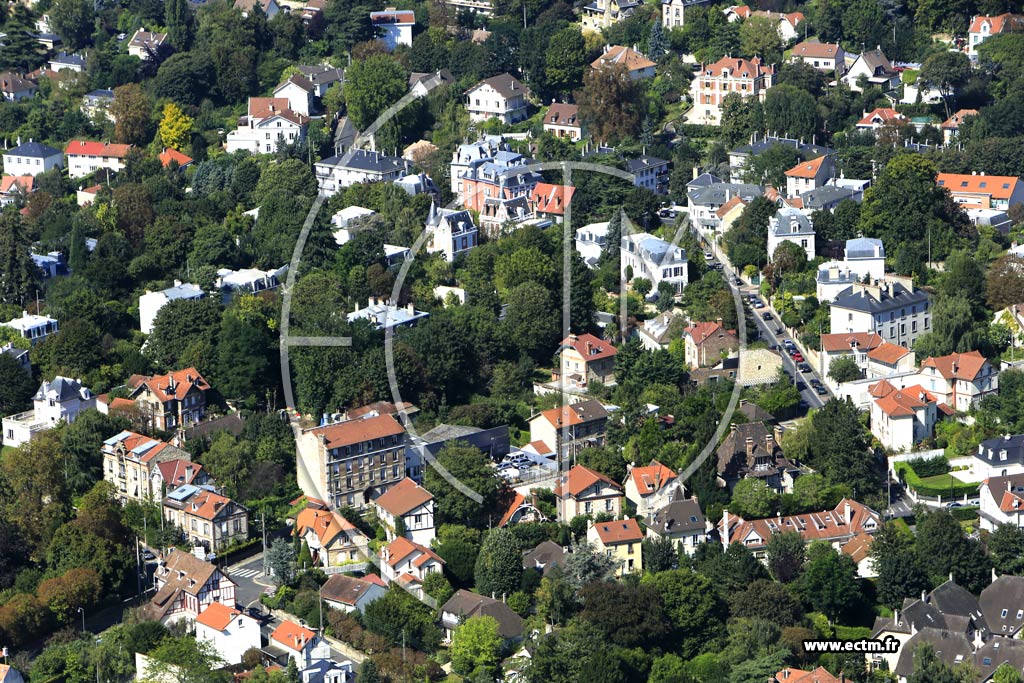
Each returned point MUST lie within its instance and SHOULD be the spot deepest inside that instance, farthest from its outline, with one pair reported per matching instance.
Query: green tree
(21, 277)
(179, 24)
(610, 104)
(844, 369)
(584, 565)
(528, 322)
(566, 59)
(659, 554)
(952, 322)
(753, 498)
(1006, 547)
(900, 574)
(371, 86)
(1004, 282)
(759, 37)
(692, 607)
(840, 451)
(292, 175)
(73, 21)
(829, 582)
(131, 110)
(1006, 673)
(20, 51)
(928, 668)
(943, 549)
(184, 659)
(476, 644)
(469, 466)
(791, 110)
(768, 600)
(499, 566)
(16, 385)
(185, 330)
(948, 71)
(281, 562)
(785, 553)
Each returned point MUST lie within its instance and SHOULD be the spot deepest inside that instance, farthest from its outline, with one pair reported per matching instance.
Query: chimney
(769, 443)
(725, 527)
(848, 513)
(896, 617)
(750, 447)
(994, 575)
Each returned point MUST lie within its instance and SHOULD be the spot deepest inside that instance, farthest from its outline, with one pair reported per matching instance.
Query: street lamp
(82, 611)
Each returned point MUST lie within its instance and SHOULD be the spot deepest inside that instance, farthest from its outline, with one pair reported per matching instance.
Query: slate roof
(858, 298)
(544, 557)
(720, 193)
(465, 604)
(61, 389)
(32, 149)
(1002, 604)
(364, 160)
(678, 517)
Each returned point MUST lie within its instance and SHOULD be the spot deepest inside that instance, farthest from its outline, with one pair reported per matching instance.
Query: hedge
(911, 479)
(964, 514)
(929, 467)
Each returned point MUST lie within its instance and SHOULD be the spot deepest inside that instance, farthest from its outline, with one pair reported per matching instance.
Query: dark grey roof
(320, 74)
(64, 389)
(992, 450)
(644, 163)
(877, 62)
(952, 648)
(824, 196)
(754, 412)
(720, 193)
(678, 517)
(589, 410)
(444, 74)
(365, 160)
(764, 144)
(505, 85)
(1002, 603)
(733, 460)
(65, 58)
(951, 599)
(464, 603)
(445, 432)
(998, 651)
(703, 180)
(789, 221)
(34, 149)
(892, 296)
(545, 557)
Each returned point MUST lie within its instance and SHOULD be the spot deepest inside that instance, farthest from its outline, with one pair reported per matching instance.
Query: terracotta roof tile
(652, 478)
(807, 169)
(292, 636)
(579, 479)
(351, 432)
(619, 531)
(403, 497)
(965, 366)
(217, 616)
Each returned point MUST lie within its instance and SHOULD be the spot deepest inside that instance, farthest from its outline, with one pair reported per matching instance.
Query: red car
(798, 357)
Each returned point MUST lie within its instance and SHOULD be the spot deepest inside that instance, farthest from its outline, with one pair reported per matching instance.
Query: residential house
(648, 486)
(658, 332)
(706, 200)
(470, 154)
(983, 191)
(464, 604)
(408, 564)
(707, 343)
(351, 594)
(229, 631)
(583, 491)
(544, 558)
(583, 359)
(960, 380)
(170, 474)
(451, 232)
(673, 12)
(35, 328)
(185, 587)
(85, 157)
(146, 44)
(15, 190)
(837, 527)
(729, 213)
(394, 27)
(170, 155)
(787, 25)
(819, 675)
(347, 463)
(502, 97)
(1001, 501)
(636, 65)
(333, 541)
(300, 93)
(887, 360)
(300, 644)
(827, 198)
(381, 314)
(748, 77)
(506, 175)
(893, 308)
(96, 104)
(808, 175)
(879, 117)
(1002, 456)
(550, 201)
(16, 87)
(902, 418)
(570, 428)
(982, 27)
(621, 541)
(31, 159)
(411, 504)
(49, 41)
(19, 354)
(268, 123)
(874, 68)
(501, 216)
(951, 126)
(206, 518)
(598, 15)
(865, 258)
(741, 157)
(521, 510)
(9, 674)
(590, 242)
(248, 281)
(650, 173)
(563, 121)
(826, 57)
(752, 451)
(130, 463)
(358, 166)
(171, 401)
(858, 549)
(420, 84)
(874, 356)
(269, 7)
(644, 255)
(62, 61)
(60, 400)
(680, 521)
(322, 76)
(790, 225)
(150, 303)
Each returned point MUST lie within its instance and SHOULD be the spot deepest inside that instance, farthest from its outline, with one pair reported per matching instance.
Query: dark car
(804, 405)
(779, 330)
(148, 555)
(820, 390)
(766, 316)
(804, 367)
(800, 386)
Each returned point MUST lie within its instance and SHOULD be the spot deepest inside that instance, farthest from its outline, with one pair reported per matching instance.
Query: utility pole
(138, 568)
(263, 527)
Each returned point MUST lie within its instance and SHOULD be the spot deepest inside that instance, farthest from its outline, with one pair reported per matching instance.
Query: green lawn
(942, 481)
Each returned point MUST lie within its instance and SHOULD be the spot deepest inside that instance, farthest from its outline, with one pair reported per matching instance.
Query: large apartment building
(746, 77)
(349, 463)
(894, 308)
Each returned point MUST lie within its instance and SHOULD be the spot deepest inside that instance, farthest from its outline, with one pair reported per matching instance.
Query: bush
(954, 489)
(929, 467)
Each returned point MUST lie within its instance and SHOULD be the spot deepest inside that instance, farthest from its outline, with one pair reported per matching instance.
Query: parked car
(766, 316)
(797, 357)
(804, 367)
(800, 386)
(708, 256)
(820, 390)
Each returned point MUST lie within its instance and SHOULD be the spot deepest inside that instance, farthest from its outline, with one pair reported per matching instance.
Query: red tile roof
(589, 346)
(207, 504)
(701, 332)
(819, 675)
(292, 636)
(888, 353)
(995, 186)
(904, 402)
(169, 155)
(816, 50)
(326, 524)
(830, 525)
(998, 23)
(619, 531)
(517, 500)
(652, 478)
(352, 432)
(880, 117)
(858, 547)
(844, 341)
(97, 149)
(175, 472)
(954, 121)
(217, 616)
(619, 54)
(403, 497)
(551, 198)
(806, 169)
(402, 547)
(728, 206)
(737, 67)
(173, 385)
(21, 182)
(579, 479)
(965, 366)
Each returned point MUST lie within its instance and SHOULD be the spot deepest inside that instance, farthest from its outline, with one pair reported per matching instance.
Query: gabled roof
(828, 525)
(559, 114)
(297, 79)
(579, 479)
(729, 205)
(700, 332)
(816, 50)
(150, 39)
(880, 116)
(464, 604)
(174, 385)
(217, 616)
(345, 589)
(1001, 602)
(888, 353)
(737, 68)
(546, 555)
(905, 402)
(627, 56)
(589, 346)
(858, 547)
(403, 497)
(680, 516)
(807, 169)
(618, 531)
(169, 155)
(292, 636)
(954, 121)
(178, 471)
(995, 186)
(844, 341)
(998, 23)
(36, 150)
(402, 547)
(506, 85)
(351, 432)
(326, 524)
(651, 478)
(819, 675)
(552, 198)
(206, 504)
(14, 83)
(196, 572)
(575, 414)
(964, 366)
(97, 149)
